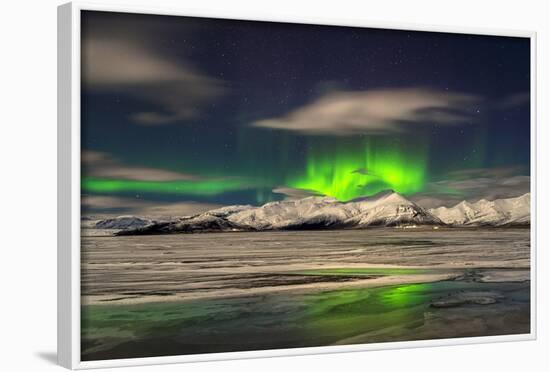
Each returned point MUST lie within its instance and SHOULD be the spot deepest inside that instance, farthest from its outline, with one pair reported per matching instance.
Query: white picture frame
(69, 188)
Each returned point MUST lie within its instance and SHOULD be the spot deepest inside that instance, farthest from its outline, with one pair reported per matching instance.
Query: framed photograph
(236, 186)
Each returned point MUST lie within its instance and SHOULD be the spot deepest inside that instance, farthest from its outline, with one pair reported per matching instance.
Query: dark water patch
(150, 293)
(118, 299)
(297, 279)
(400, 243)
(365, 271)
(467, 298)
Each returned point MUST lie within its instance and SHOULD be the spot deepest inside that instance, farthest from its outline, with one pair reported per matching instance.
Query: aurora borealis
(371, 168)
(172, 187)
(220, 112)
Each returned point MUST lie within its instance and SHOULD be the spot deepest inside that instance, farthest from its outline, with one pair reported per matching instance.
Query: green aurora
(374, 167)
(355, 113)
(202, 187)
(347, 171)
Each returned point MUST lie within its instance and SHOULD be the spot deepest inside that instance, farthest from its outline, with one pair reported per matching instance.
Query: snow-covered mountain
(501, 212)
(387, 209)
(122, 222)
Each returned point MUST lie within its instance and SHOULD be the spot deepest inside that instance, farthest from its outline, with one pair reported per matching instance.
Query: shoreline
(87, 231)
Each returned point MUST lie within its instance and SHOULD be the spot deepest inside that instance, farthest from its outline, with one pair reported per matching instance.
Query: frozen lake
(190, 293)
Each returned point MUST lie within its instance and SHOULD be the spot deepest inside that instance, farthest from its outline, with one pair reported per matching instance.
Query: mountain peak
(378, 196)
(463, 204)
(396, 198)
(499, 212)
(384, 209)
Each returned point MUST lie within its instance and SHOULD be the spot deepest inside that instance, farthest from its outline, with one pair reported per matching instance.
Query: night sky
(183, 114)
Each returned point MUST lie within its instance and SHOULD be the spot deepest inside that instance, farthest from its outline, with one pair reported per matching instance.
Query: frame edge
(69, 109)
(64, 216)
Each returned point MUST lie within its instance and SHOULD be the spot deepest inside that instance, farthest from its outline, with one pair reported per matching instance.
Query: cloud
(363, 171)
(120, 63)
(514, 100)
(100, 202)
(293, 194)
(473, 185)
(105, 206)
(178, 209)
(377, 111)
(103, 165)
(497, 172)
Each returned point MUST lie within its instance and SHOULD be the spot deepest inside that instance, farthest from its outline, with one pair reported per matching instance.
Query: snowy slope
(388, 209)
(392, 210)
(122, 222)
(385, 209)
(512, 211)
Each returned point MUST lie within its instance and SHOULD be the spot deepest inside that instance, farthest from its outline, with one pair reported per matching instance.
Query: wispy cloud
(293, 194)
(103, 206)
(473, 185)
(514, 100)
(129, 64)
(103, 165)
(377, 111)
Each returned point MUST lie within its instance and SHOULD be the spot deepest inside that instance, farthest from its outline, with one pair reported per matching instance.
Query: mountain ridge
(499, 212)
(387, 209)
